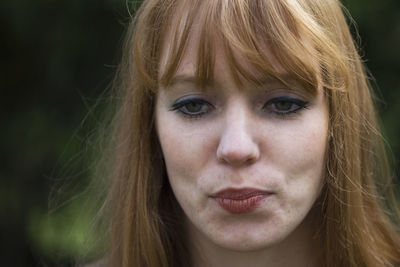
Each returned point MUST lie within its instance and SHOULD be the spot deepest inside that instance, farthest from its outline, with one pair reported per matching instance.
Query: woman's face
(245, 164)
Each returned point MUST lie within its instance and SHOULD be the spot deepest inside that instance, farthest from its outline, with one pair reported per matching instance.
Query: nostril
(238, 153)
(236, 159)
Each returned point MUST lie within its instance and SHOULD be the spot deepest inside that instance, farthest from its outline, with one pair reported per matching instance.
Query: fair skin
(269, 138)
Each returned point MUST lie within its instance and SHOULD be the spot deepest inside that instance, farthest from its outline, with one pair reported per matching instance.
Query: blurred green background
(57, 58)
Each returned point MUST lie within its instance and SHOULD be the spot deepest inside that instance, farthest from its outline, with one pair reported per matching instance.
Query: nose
(237, 145)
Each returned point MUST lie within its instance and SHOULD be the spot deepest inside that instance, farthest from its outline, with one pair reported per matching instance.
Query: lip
(240, 200)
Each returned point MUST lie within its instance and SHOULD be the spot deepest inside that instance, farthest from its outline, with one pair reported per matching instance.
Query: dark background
(57, 58)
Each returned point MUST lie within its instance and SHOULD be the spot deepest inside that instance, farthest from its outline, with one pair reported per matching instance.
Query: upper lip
(239, 193)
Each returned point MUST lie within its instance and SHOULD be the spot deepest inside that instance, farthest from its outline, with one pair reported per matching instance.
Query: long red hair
(356, 227)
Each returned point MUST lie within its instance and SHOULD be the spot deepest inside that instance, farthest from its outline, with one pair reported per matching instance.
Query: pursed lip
(240, 200)
(240, 193)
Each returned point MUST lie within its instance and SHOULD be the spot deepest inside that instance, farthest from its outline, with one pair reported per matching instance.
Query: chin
(249, 241)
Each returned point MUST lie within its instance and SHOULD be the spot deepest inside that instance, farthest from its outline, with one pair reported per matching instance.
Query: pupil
(193, 107)
(283, 105)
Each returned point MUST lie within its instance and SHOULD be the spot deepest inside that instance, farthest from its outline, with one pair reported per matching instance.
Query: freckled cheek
(185, 158)
(184, 153)
(301, 165)
(300, 150)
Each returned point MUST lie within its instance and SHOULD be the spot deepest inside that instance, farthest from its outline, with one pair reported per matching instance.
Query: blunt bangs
(275, 39)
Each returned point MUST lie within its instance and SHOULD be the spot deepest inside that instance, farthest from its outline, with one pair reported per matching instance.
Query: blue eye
(193, 107)
(285, 105)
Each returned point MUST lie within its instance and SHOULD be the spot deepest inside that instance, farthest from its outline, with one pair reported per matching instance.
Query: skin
(241, 141)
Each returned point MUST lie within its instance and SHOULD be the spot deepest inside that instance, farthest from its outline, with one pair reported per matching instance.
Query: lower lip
(239, 206)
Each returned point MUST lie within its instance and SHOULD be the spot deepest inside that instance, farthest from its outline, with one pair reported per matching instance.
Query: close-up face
(246, 163)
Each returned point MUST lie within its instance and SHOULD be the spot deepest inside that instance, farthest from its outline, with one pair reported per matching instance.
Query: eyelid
(301, 104)
(294, 92)
(180, 106)
(292, 99)
(186, 100)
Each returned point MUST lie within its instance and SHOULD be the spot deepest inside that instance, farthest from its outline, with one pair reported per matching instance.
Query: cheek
(303, 158)
(175, 150)
(186, 151)
(302, 142)
(306, 150)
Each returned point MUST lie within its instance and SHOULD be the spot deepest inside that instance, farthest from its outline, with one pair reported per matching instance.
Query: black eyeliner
(301, 104)
(183, 102)
(180, 106)
(297, 101)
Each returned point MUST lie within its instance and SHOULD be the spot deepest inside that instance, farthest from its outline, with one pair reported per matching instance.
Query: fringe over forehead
(301, 36)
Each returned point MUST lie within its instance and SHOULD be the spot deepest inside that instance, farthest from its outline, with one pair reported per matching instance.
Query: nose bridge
(236, 121)
(237, 143)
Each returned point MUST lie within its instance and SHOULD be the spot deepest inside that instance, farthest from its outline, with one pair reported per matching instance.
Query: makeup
(242, 200)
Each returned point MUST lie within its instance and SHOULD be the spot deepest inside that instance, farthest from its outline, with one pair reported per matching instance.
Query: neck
(299, 249)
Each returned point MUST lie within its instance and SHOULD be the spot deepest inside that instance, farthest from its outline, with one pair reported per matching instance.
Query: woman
(247, 136)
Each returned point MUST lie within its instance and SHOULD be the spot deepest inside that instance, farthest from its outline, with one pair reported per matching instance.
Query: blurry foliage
(64, 235)
(57, 57)
(378, 23)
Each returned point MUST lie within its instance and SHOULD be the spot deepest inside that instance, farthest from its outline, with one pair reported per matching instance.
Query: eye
(285, 105)
(192, 107)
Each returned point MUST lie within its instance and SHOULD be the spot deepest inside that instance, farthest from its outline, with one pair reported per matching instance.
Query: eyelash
(301, 104)
(181, 105)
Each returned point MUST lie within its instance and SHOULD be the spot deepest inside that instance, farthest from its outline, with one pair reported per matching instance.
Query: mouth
(241, 200)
